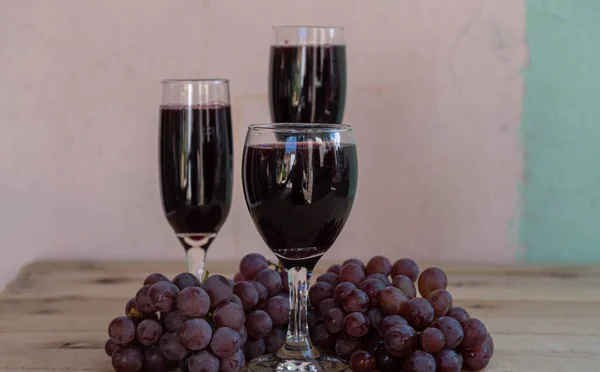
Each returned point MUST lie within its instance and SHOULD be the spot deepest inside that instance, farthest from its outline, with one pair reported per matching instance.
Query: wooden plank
(54, 315)
(470, 284)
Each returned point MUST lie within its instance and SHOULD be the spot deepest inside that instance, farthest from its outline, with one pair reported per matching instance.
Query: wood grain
(54, 315)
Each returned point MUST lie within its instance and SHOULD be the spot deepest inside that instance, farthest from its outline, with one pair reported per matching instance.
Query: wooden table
(54, 315)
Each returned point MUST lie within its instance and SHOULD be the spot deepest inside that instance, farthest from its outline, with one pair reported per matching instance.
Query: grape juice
(196, 168)
(299, 196)
(308, 83)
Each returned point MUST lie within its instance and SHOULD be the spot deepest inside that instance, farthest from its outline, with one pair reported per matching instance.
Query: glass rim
(299, 127)
(208, 81)
(340, 28)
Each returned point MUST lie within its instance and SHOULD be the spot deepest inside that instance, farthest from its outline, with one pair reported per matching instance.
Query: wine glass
(299, 183)
(196, 162)
(307, 75)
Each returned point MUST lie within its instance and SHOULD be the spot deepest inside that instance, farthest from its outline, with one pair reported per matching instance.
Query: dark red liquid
(300, 196)
(308, 83)
(196, 167)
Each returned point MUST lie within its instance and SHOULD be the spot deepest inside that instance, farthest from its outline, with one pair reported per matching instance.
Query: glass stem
(297, 342)
(195, 259)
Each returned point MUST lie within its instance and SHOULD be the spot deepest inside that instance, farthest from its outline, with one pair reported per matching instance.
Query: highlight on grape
(369, 315)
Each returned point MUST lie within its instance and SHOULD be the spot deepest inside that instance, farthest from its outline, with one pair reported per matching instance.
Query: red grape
(392, 300)
(390, 321)
(452, 330)
(229, 315)
(401, 340)
(312, 319)
(352, 273)
(270, 279)
(379, 265)
(448, 361)
(334, 320)
(278, 309)
(193, 301)
(131, 309)
(372, 287)
(173, 320)
(121, 330)
(262, 292)
(243, 334)
(356, 324)
(203, 361)
(419, 361)
(384, 279)
(406, 267)
(251, 264)
(172, 347)
(219, 290)
(254, 348)
(238, 277)
(334, 269)
(419, 313)
(319, 292)
(142, 300)
(355, 261)
(236, 300)
(154, 361)
(127, 358)
(323, 339)
(163, 295)
(234, 363)
(340, 291)
(432, 340)
(110, 346)
(258, 324)
(441, 301)
(490, 343)
(326, 305)
(195, 334)
(345, 345)
(285, 281)
(431, 279)
(355, 300)
(388, 363)
(362, 361)
(475, 334)
(476, 360)
(406, 285)
(185, 280)
(458, 313)
(225, 342)
(149, 332)
(274, 340)
(155, 278)
(330, 278)
(375, 316)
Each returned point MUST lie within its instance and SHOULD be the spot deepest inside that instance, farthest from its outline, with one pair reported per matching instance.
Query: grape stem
(276, 266)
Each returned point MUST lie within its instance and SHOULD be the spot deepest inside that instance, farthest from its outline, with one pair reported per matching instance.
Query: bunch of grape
(376, 323)
(356, 312)
(209, 327)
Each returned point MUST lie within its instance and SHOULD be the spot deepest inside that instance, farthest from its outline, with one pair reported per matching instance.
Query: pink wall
(434, 96)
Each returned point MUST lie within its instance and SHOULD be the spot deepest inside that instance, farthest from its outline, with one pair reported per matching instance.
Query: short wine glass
(299, 182)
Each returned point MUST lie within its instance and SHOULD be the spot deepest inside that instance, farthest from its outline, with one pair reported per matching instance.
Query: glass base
(270, 363)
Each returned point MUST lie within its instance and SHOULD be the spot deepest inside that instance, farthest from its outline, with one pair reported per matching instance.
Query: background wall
(434, 96)
(561, 132)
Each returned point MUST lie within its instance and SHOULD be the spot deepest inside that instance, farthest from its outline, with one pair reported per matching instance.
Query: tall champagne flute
(307, 74)
(299, 183)
(196, 162)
